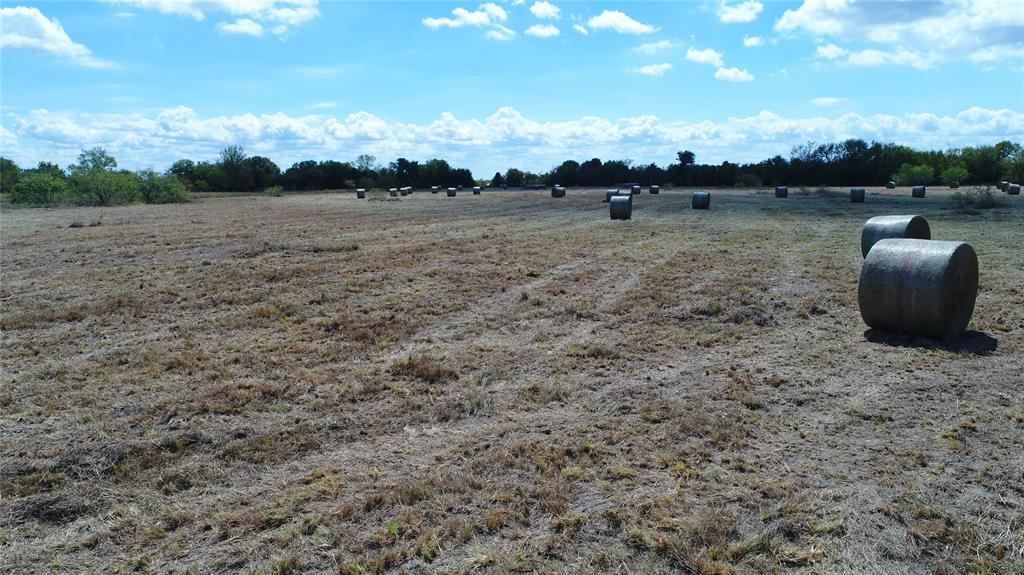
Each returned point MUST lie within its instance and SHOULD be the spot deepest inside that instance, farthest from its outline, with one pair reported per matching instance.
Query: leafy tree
(235, 171)
(48, 168)
(264, 171)
(10, 173)
(100, 187)
(954, 174)
(498, 180)
(161, 188)
(366, 163)
(43, 189)
(96, 159)
(514, 177)
(909, 175)
(185, 171)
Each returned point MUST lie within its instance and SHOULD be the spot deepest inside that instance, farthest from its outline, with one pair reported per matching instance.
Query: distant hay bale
(435, 189)
(889, 227)
(857, 195)
(701, 200)
(1013, 189)
(608, 195)
(361, 193)
(782, 192)
(917, 191)
(890, 185)
(403, 191)
(635, 189)
(476, 190)
(558, 192)
(451, 192)
(655, 190)
(393, 192)
(620, 207)
(954, 185)
(922, 287)
(1003, 185)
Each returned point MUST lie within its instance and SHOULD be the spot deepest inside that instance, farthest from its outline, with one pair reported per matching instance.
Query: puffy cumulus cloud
(543, 30)
(28, 28)
(739, 13)
(544, 9)
(652, 69)
(655, 47)
(753, 41)
(501, 33)
(487, 15)
(917, 34)
(619, 22)
(733, 75)
(506, 138)
(830, 51)
(705, 56)
(241, 26)
(278, 16)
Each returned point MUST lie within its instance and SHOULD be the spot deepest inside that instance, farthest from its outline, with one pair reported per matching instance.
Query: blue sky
(504, 83)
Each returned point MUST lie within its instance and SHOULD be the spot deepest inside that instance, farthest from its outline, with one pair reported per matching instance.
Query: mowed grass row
(498, 383)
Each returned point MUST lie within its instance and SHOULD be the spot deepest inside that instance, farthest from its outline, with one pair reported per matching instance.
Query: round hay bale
(476, 191)
(393, 192)
(923, 287)
(558, 192)
(404, 191)
(451, 192)
(890, 185)
(435, 189)
(857, 195)
(620, 207)
(1003, 185)
(361, 193)
(954, 185)
(917, 191)
(655, 190)
(1013, 189)
(609, 193)
(701, 200)
(635, 189)
(782, 192)
(887, 227)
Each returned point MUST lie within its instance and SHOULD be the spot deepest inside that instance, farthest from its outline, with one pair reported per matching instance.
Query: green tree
(514, 177)
(185, 171)
(952, 174)
(264, 171)
(100, 187)
(48, 168)
(235, 172)
(366, 163)
(10, 173)
(157, 188)
(96, 159)
(498, 180)
(41, 189)
(909, 175)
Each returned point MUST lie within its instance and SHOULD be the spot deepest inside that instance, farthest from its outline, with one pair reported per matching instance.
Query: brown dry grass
(499, 383)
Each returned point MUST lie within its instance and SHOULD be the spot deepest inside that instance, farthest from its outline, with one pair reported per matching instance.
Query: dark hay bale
(886, 227)
(451, 192)
(1003, 185)
(435, 189)
(393, 192)
(655, 190)
(890, 185)
(922, 287)
(558, 192)
(608, 195)
(404, 191)
(361, 193)
(917, 191)
(954, 185)
(1013, 189)
(620, 207)
(701, 200)
(476, 191)
(782, 192)
(857, 195)
(635, 189)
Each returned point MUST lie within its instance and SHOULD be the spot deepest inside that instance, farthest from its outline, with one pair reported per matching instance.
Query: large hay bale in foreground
(886, 227)
(1013, 189)
(857, 195)
(782, 192)
(890, 185)
(635, 189)
(655, 190)
(917, 191)
(620, 207)
(608, 195)
(451, 192)
(558, 192)
(361, 193)
(922, 287)
(701, 200)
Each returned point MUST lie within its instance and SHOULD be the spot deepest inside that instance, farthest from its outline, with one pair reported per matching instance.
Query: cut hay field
(500, 383)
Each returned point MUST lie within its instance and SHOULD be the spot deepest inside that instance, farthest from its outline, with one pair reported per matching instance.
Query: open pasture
(505, 382)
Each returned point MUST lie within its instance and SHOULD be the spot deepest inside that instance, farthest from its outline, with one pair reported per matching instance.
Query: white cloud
(27, 28)
(827, 101)
(916, 34)
(652, 69)
(655, 47)
(619, 22)
(753, 41)
(501, 33)
(830, 51)
(543, 30)
(545, 9)
(739, 13)
(733, 75)
(278, 16)
(705, 56)
(241, 26)
(503, 139)
(322, 105)
(581, 29)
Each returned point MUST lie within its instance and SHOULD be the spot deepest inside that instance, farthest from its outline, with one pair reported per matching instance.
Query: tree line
(95, 179)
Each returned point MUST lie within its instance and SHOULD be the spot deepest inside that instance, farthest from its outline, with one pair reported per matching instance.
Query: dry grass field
(500, 383)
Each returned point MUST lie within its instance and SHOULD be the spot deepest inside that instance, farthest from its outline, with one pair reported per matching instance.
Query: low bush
(974, 199)
(40, 189)
(161, 189)
(100, 187)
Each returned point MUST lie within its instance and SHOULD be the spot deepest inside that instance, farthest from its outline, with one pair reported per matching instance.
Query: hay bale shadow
(973, 342)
